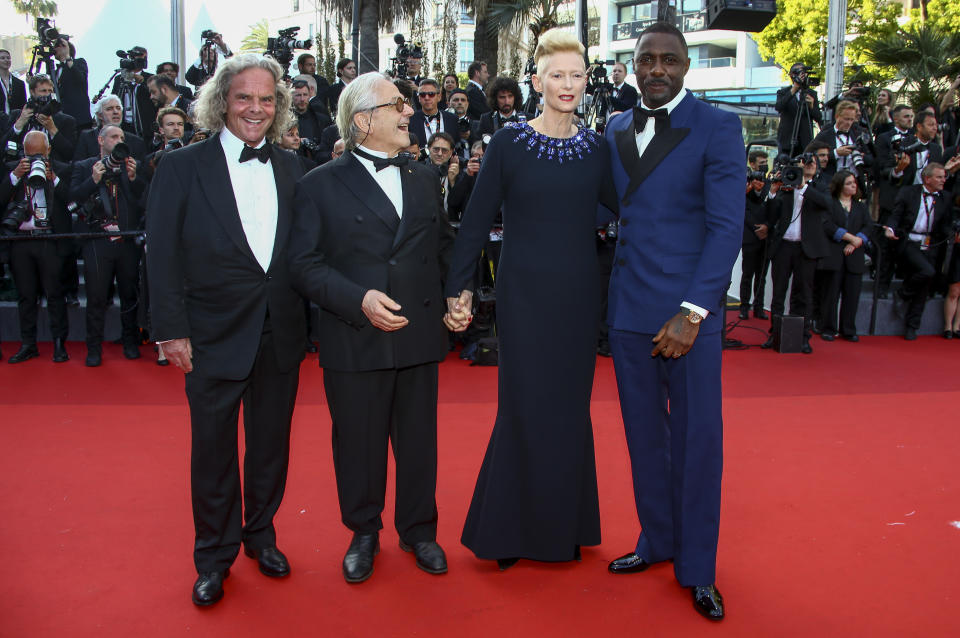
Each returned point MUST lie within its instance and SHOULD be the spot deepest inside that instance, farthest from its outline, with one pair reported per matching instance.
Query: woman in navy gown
(536, 494)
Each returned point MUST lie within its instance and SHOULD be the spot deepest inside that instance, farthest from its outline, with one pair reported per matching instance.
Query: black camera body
(15, 214)
(801, 75)
(790, 170)
(43, 105)
(405, 51)
(116, 162)
(756, 175)
(131, 61)
(281, 48)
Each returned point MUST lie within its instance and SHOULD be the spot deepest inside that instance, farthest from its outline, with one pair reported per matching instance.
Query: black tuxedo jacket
(17, 96)
(347, 239)
(333, 95)
(186, 92)
(855, 222)
(935, 154)
(815, 201)
(477, 102)
(884, 164)
(72, 87)
(418, 126)
(757, 212)
(82, 187)
(625, 100)
(312, 123)
(62, 145)
(906, 208)
(788, 106)
(828, 136)
(328, 138)
(205, 282)
(87, 145)
(57, 198)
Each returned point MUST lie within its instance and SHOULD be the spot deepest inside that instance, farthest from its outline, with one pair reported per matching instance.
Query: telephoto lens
(37, 177)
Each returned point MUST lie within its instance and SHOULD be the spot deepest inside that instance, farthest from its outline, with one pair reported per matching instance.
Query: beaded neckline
(555, 148)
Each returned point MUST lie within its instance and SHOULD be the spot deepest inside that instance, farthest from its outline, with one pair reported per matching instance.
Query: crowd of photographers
(872, 189)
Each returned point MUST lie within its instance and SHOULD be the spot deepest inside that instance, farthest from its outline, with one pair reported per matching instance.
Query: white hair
(357, 97)
(104, 102)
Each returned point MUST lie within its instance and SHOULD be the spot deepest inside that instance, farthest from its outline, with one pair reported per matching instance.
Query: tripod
(802, 109)
(597, 114)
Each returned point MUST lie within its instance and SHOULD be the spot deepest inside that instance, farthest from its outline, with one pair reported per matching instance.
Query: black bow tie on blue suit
(249, 153)
(641, 115)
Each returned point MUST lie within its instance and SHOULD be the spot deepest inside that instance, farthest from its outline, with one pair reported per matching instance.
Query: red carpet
(840, 487)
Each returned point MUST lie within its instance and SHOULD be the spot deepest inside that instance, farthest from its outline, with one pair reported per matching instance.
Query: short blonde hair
(845, 105)
(555, 41)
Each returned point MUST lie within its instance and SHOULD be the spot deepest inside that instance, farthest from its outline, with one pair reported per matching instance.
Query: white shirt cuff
(14, 179)
(697, 309)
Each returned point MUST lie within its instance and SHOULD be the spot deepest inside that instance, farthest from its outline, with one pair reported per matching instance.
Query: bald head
(36, 143)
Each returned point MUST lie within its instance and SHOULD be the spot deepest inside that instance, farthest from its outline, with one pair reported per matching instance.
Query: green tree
(256, 40)
(798, 33)
(35, 8)
(373, 16)
(940, 13)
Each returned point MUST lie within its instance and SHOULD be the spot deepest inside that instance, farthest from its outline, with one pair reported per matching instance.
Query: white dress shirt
(793, 230)
(388, 179)
(255, 189)
(924, 225)
(643, 140)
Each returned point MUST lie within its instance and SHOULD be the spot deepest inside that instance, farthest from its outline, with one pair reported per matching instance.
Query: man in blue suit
(678, 171)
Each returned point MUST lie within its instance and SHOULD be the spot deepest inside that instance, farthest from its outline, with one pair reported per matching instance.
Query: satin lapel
(626, 141)
(218, 189)
(409, 201)
(359, 182)
(657, 150)
(285, 185)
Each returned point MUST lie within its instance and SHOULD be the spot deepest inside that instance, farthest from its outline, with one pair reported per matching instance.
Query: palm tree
(256, 40)
(30, 8)
(373, 16)
(492, 18)
(925, 58)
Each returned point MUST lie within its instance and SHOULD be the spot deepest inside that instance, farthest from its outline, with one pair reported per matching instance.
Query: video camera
(281, 48)
(788, 171)
(132, 60)
(47, 38)
(756, 175)
(800, 73)
(405, 51)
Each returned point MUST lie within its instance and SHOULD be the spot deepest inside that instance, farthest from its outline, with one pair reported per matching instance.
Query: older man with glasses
(430, 120)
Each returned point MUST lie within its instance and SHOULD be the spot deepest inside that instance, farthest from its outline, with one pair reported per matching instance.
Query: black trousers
(921, 266)
(367, 410)
(36, 266)
(606, 249)
(791, 263)
(102, 261)
(837, 285)
(222, 519)
(888, 255)
(753, 278)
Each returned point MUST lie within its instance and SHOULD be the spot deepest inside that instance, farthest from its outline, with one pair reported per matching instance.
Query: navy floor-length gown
(536, 494)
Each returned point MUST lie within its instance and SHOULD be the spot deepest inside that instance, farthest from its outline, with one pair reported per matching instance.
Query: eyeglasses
(427, 94)
(399, 103)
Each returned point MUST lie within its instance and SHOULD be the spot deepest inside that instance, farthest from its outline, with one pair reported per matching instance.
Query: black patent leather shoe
(828, 336)
(910, 334)
(628, 564)
(947, 334)
(271, 560)
(708, 601)
(209, 587)
(744, 313)
(131, 351)
(60, 351)
(766, 345)
(851, 338)
(806, 348)
(429, 554)
(358, 561)
(94, 358)
(760, 313)
(24, 353)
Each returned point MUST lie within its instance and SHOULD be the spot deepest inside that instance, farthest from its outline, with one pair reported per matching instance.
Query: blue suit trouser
(672, 416)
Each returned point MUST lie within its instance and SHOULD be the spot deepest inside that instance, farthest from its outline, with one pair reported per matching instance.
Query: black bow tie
(380, 163)
(249, 153)
(929, 194)
(641, 115)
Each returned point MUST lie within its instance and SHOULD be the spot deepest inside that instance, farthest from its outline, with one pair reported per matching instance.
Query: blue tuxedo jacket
(681, 216)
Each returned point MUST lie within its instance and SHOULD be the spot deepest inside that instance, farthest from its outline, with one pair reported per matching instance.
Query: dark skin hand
(675, 338)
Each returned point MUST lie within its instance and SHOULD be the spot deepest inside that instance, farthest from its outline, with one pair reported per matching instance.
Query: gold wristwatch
(691, 316)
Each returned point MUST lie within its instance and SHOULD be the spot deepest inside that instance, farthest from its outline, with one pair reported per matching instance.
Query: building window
(637, 11)
(464, 55)
(296, 5)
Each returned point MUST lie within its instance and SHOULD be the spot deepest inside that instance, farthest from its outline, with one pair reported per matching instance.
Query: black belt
(37, 231)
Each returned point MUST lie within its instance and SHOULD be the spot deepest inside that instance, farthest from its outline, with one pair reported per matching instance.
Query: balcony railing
(712, 63)
(696, 21)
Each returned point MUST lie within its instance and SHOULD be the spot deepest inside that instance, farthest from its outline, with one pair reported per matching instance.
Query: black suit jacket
(82, 188)
(87, 145)
(884, 163)
(18, 94)
(63, 143)
(477, 102)
(347, 239)
(205, 283)
(855, 222)
(935, 154)
(328, 138)
(333, 95)
(906, 208)
(418, 123)
(788, 106)
(57, 198)
(829, 136)
(146, 114)
(626, 100)
(72, 87)
(815, 201)
(312, 123)
(186, 92)
(757, 212)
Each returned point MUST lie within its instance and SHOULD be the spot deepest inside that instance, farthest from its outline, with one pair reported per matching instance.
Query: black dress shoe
(947, 334)
(851, 338)
(910, 334)
(131, 351)
(209, 587)
(429, 554)
(163, 362)
(760, 313)
(806, 348)
(604, 350)
(312, 347)
(766, 345)
(24, 353)
(94, 357)
(271, 560)
(828, 335)
(708, 601)
(506, 563)
(956, 334)
(744, 313)
(815, 328)
(628, 564)
(358, 561)
(60, 351)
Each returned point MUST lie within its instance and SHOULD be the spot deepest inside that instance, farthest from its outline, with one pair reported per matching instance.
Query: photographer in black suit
(206, 64)
(799, 108)
(920, 149)
(109, 112)
(35, 204)
(478, 74)
(623, 97)
(756, 227)
(172, 70)
(59, 128)
(224, 310)
(887, 185)
(71, 79)
(430, 120)
(851, 144)
(503, 95)
(13, 91)
(369, 245)
(139, 112)
(109, 190)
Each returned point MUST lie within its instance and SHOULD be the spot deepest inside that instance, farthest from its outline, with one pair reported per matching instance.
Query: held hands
(848, 249)
(459, 311)
(675, 338)
(179, 352)
(760, 230)
(380, 310)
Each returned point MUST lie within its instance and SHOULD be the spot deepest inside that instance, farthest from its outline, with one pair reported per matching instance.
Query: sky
(98, 28)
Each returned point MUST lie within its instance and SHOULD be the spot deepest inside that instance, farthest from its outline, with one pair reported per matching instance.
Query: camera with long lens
(47, 34)
(132, 60)
(598, 75)
(308, 145)
(405, 51)
(115, 162)
(756, 175)
(860, 146)
(209, 37)
(43, 105)
(801, 75)
(789, 171)
(18, 212)
(15, 214)
(281, 48)
(37, 175)
(914, 146)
